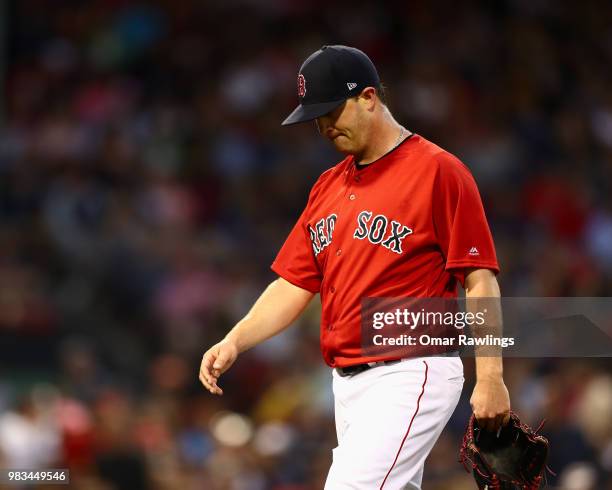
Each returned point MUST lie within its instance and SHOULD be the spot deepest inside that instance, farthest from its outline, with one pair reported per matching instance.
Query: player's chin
(342, 144)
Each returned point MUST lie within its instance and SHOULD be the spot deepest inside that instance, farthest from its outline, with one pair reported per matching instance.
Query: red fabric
(343, 244)
(459, 219)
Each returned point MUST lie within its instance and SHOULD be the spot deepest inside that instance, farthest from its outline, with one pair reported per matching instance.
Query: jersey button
(332, 289)
(357, 178)
(339, 252)
(352, 197)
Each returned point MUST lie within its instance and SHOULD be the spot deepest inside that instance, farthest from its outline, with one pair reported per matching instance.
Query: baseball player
(398, 217)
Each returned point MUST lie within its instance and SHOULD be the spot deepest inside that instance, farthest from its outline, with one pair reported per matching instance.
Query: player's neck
(384, 136)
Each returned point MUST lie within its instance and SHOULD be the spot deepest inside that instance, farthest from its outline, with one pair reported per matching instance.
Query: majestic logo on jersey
(381, 231)
(301, 85)
(322, 233)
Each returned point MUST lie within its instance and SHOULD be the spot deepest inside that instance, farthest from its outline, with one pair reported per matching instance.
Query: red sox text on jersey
(379, 230)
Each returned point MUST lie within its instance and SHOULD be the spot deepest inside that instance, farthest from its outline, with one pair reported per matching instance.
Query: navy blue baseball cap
(328, 77)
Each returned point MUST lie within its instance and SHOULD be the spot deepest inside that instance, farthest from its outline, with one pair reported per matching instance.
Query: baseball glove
(514, 458)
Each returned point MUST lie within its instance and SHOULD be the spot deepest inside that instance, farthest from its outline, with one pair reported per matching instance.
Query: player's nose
(326, 129)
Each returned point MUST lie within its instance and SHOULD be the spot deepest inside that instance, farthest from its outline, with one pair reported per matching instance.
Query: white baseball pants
(388, 419)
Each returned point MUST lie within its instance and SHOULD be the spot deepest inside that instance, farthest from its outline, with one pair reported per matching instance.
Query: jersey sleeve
(296, 261)
(459, 219)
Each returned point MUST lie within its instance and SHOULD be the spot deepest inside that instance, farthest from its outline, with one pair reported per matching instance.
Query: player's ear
(367, 98)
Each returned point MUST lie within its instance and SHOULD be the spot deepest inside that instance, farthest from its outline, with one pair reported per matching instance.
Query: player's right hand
(215, 362)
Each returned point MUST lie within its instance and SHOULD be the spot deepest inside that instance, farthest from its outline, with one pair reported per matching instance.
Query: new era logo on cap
(351, 86)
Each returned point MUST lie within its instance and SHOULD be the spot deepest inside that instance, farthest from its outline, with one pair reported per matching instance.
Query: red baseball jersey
(406, 225)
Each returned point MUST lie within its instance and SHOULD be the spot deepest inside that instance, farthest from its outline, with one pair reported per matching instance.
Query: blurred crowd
(146, 186)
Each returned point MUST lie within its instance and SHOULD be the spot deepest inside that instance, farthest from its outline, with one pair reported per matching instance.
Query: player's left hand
(491, 403)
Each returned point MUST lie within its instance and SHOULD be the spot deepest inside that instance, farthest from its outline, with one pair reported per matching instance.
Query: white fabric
(388, 419)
